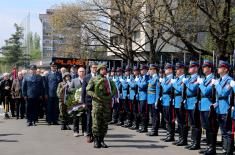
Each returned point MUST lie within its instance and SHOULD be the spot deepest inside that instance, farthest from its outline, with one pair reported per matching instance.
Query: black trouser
(32, 109)
(143, 113)
(155, 117)
(169, 119)
(89, 120)
(20, 107)
(76, 120)
(52, 110)
(122, 112)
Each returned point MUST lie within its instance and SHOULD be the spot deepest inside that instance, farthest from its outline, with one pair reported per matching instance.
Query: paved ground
(16, 138)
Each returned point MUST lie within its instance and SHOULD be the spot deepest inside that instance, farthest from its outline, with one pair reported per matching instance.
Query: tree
(13, 50)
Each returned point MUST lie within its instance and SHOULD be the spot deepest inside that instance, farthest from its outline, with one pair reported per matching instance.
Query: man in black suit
(88, 100)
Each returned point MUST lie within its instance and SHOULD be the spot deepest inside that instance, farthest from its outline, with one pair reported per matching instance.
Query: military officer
(142, 84)
(52, 79)
(102, 91)
(168, 112)
(178, 99)
(152, 98)
(32, 89)
(223, 90)
(206, 101)
(126, 94)
(191, 93)
(134, 97)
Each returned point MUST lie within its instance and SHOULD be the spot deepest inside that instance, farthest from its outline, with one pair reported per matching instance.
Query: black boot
(184, 140)
(212, 144)
(171, 130)
(103, 145)
(63, 127)
(97, 143)
(230, 145)
(193, 139)
(144, 124)
(180, 136)
(197, 139)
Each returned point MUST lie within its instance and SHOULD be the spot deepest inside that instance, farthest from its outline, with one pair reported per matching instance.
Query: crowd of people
(133, 98)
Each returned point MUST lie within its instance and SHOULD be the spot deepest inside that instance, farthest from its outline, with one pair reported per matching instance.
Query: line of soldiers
(195, 101)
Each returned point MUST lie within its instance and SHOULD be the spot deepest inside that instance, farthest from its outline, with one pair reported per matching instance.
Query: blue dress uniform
(52, 81)
(142, 96)
(178, 99)
(126, 97)
(192, 94)
(152, 98)
(168, 112)
(32, 89)
(206, 102)
(224, 91)
(133, 96)
(115, 103)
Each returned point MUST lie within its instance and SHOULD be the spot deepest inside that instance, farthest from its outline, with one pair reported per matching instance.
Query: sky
(16, 11)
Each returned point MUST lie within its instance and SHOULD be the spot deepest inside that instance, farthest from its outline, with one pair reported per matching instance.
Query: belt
(166, 93)
(223, 98)
(192, 96)
(178, 95)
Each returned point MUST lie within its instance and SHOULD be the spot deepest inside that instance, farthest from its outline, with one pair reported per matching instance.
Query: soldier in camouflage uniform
(62, 90)
(102, 90)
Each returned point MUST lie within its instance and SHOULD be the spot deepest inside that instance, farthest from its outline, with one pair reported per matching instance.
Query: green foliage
(13, 50)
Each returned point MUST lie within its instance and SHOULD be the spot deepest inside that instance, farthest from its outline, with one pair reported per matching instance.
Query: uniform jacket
(166, 90)
(133, 88)
(153, 89)
(178, 89)
(33, 86)
(191, 92)
(52, 80)
(223, 91)
(206, 93)
(143, 87)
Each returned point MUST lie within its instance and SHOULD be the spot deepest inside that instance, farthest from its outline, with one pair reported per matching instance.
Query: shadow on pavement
(11, 134)
(151, 146)
(120, 136)
(6, 140)
(131, 141)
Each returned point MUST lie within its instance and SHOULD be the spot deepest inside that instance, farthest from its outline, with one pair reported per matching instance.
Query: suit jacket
(75, 84)
(85, 97)
(16, 89)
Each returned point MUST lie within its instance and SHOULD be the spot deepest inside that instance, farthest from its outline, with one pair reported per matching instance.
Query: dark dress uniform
(52, 80)
(5, 87)
(33, 91)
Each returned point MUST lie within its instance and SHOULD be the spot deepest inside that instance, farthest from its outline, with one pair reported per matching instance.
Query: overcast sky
(16, 11)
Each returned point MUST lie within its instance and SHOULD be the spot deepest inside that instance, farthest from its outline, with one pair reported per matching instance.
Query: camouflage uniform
(61, 93)
(101, 102)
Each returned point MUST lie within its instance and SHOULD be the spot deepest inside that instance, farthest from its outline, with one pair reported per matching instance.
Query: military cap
(153, 66)
(101, 66)
(52, 63)
(223, 64)
(168, 65)
(128, 69)
(113, 69)
(142, 67)
(179, 65)
(33, 67)
(136, 68)
(66, 74)
(207, 63)
(193, 64)
(119, 69)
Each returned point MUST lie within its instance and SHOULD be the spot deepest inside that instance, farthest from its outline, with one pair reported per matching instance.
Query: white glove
(232, 108)
(117, 99)
(173, 81)
(114, 80)
(184, 80)
(160, 80)
(232, 83)
(156, 105)
(136, 79)
(214, 82)
(128, 80)
(121, 80)
(199, 80)
(215, 105)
